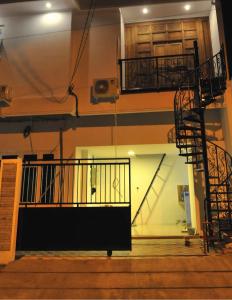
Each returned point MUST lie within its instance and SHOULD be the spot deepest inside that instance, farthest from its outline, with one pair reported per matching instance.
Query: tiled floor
(140, 248)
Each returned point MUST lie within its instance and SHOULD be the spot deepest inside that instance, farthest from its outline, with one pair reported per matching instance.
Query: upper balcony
(157, 44)
(155, 74)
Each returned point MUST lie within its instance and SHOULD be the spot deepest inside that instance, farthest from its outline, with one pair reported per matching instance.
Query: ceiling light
(187, 7)
(48, 5)
(145, 10)
(131, 153)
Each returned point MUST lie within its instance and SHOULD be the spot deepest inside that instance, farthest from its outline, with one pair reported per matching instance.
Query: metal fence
(75, 182)
(154, 73)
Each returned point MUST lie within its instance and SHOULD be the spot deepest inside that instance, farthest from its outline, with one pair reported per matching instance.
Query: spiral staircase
(200, 88)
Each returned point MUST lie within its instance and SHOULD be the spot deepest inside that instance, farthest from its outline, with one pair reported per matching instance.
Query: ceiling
(35, 7)
(84, 4)
(166, 11)
(122, 150)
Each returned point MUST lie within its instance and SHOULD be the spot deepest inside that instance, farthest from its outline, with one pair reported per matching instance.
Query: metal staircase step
(220, 201)
(187, 136)
(187, 127)
(220, 193)
(194, 162)
(219, 210)
(188, 146)
(192, 118)
(199, 170)
(190, 154)
(219, 184)
(196, 110)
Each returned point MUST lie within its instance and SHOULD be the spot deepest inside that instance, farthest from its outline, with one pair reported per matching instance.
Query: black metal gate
(75, 204)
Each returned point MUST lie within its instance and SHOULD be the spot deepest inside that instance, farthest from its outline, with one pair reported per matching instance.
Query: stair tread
(191, 119)
(188, 146)
(186, 127)
(194, 162)
(191, 154)
(218, 192)
(188, 136)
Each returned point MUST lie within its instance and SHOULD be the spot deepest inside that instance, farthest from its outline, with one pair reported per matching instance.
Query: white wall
(162, 206)
(36, 56)
(214, 30)
(122, 35)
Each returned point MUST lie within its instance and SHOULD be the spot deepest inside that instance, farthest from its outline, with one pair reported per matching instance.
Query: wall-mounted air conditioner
(104, 90)
(5, 95)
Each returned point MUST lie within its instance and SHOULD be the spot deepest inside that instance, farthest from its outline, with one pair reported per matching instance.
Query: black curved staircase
(215, 163)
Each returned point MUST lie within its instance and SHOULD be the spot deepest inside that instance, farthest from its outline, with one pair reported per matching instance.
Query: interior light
(145, 10)
(48, 5)
(131, 153)
(51, 18)
(187, 7)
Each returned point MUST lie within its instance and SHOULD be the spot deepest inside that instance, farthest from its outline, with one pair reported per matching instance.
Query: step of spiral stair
(187, 127)
(219, 184)
(192, 118)
(188, 136)
(220, 193)
(191, 154)
(199, 170)
(198, 162)
(188, 146)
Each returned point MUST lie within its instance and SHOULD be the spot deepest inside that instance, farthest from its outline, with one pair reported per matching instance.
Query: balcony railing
(157, 73)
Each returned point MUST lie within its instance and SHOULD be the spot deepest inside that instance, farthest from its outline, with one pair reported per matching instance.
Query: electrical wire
(84, 38)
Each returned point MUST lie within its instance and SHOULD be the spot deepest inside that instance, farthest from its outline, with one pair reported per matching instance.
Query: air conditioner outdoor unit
(104, 90)
(5, 96)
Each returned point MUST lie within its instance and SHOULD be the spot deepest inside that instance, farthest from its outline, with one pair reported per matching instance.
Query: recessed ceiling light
(145, 10)
(131, 153)
(187, 7)
(48, 5)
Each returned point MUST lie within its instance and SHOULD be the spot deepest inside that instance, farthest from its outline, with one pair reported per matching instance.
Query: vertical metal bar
(157, 72)
(100, 183)
(119, 182)
(121, 79)
(105, 182)
(203, 132)
(110, 184)
(130, 181)
(23, 184)
(68, 183)
(124, 179)
(36, 182)
(61, 165)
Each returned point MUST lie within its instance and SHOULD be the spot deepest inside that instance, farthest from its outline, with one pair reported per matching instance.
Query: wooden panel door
(168, 49)
(166, 74)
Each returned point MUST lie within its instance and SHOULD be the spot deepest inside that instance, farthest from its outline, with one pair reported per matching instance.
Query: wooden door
(168, 49)
(166, 74)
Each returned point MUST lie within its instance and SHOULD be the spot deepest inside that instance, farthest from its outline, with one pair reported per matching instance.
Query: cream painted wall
(35, 62)
(162, 206)
(214, 30)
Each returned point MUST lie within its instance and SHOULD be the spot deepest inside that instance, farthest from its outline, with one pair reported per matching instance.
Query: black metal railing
(75, 182)
(216, 164)
(154, 73)
(213, 77)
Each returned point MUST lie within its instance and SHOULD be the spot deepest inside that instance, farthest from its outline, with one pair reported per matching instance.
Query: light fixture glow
(48, 5)
(131, 153)
(50, 19)
(145, 10)
(187, 7)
